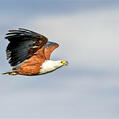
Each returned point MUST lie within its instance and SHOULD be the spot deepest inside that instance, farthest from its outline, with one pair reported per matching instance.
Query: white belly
(49, 66)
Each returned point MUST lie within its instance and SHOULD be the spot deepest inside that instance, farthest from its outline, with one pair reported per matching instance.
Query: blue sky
(87, 32)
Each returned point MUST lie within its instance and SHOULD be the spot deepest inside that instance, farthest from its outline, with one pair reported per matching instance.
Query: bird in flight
(29, 53)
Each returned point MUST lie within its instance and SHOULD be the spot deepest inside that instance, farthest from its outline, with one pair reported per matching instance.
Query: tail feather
(10, 73)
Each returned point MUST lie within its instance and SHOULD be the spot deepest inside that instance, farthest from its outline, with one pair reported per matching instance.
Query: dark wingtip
(49, 43)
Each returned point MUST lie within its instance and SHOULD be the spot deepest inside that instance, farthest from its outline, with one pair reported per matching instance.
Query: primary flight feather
(29, 53)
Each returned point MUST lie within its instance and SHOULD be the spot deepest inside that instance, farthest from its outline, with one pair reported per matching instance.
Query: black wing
(23, 44)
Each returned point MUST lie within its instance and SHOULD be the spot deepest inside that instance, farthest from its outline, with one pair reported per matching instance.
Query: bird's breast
(31, 66)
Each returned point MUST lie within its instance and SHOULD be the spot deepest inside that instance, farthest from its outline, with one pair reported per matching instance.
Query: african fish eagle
(29, 53)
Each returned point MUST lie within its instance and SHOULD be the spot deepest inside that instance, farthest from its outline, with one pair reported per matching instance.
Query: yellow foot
(10, 73)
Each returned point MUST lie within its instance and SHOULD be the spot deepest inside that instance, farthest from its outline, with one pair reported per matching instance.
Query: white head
(49, 66)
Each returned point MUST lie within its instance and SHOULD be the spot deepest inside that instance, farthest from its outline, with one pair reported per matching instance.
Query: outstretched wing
(49, 48)
(23, 44)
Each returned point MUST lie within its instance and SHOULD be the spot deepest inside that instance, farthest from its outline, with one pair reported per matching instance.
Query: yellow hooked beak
(64, 63)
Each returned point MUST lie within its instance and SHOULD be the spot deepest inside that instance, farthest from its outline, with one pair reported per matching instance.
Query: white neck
(49, 66)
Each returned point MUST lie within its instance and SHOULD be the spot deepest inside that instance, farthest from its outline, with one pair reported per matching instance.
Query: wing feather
(49, 48)
(23, 45)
